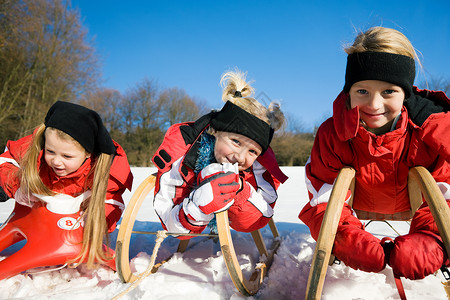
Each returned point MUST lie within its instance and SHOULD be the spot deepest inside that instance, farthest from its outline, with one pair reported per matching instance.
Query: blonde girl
(71, 166)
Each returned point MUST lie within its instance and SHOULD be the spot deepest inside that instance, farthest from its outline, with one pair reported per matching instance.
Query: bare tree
(107, 103)
(144, 101)
(178, 106)
(44, 57)
(142, 116)
(438, 84)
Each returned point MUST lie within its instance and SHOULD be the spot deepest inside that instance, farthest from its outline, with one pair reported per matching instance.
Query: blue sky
(292, 49)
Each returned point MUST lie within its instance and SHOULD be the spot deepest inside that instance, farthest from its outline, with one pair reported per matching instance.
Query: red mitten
(217, 187)
(417, 255)
(359, 249)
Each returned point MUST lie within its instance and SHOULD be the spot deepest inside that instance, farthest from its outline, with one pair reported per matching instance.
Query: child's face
(236, 148)
(63, 156)
(379, 103)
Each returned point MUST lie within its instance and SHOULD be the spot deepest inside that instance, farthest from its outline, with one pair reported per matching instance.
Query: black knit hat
(232, 118)
(82, 124)
(394, 68)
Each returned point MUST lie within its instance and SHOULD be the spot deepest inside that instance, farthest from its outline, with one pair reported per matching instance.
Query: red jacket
(421, 137)
(176, 158)
(73, 184)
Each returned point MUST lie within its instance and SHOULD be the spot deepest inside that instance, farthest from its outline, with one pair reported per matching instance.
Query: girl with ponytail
(222, 161)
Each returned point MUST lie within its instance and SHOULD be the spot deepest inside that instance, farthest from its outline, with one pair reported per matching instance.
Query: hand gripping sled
(420, 182)
(245, 286)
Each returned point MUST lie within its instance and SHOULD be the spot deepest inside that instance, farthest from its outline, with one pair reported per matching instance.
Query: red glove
(417, 255)
(359, 249)
(217, 185)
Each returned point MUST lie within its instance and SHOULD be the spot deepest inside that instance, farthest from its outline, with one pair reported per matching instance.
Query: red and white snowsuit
(176, 158)
(45, 229)
(420, 138)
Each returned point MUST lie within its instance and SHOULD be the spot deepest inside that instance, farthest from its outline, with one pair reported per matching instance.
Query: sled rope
(31, 272)
(160, 236)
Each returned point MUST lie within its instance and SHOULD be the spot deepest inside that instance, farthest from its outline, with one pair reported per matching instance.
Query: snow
(200, 272)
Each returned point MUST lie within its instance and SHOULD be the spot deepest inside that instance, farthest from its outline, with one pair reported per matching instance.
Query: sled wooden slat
(259, 241)
(273, 228)
(126, 228)
(246, 287)
(182, 246)
(436, 201)
(420, 182)
(327, 233)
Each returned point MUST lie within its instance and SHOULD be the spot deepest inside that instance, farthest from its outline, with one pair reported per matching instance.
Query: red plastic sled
(51, 239)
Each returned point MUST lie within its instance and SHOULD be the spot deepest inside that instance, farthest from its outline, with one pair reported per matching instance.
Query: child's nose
(239, 156)
(56, 161)
(376, 101)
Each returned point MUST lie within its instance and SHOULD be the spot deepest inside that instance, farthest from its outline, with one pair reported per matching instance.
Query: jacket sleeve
(432, 137)
(9, 166)
(120, 179)
(9, 182)
(321, 170)
(253, 205)
(172, 205)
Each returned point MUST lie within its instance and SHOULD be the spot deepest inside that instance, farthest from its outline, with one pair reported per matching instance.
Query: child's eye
(388, 92)
(362, 92)
(254, 152)
(235, 141)
(49, 151)
(67, 156)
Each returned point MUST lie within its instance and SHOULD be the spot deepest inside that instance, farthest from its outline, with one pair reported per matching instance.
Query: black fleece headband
(82, 124)
(232, 118)
(394, 68)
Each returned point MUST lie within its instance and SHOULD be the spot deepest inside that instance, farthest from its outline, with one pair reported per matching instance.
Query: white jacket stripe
(8, 160)
(119, 204)
(265, 194)
(163, 203)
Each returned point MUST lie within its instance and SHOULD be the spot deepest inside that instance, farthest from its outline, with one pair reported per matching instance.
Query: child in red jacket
(221, 161)
(67, 179)
(381, 126)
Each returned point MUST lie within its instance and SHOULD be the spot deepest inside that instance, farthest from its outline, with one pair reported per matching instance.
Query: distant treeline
(139, 119)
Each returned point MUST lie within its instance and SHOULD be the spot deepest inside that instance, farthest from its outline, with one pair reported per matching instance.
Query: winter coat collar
(346, 121)
(71, 184)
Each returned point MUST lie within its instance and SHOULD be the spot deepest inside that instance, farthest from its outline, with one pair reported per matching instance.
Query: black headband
(394, 68)
(232, 118)
(82, 124)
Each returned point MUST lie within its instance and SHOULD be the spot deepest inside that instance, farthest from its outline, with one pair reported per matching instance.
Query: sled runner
(245, 286)
(420, 183)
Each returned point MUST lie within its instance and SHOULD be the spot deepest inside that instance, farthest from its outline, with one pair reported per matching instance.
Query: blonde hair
(233, 83)
(382, 39)
(95, 228)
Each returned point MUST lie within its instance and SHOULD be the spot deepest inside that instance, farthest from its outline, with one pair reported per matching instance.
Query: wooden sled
(420, 183)
(247, 287)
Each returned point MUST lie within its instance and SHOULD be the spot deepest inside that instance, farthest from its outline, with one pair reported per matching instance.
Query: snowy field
(200, 273)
